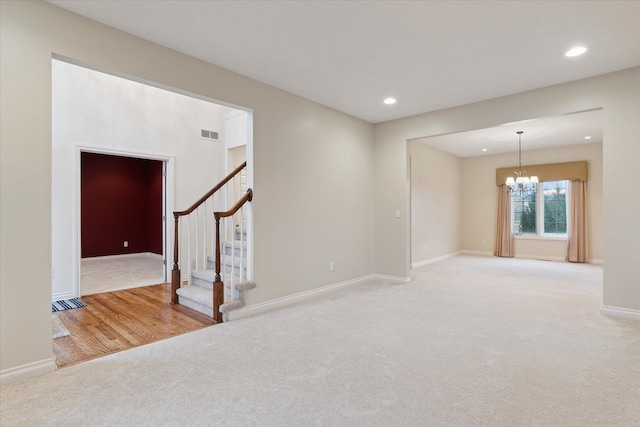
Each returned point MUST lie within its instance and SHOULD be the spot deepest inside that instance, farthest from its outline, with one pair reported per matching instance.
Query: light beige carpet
(471, 341)
(108, 274)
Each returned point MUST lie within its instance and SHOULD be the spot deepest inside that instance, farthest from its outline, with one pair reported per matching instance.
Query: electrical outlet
(126, 244)
(332, 266)
(397, 213)
(483, 241)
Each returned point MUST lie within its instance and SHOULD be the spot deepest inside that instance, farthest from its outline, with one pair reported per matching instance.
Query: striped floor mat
(66, 304)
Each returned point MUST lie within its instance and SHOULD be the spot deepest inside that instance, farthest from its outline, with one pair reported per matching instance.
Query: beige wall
(617, 93)
(480, 199)
(436, 203)
(312, 169)
(448, 215)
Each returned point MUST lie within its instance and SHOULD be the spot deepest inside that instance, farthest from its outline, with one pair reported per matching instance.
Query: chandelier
(518, 186)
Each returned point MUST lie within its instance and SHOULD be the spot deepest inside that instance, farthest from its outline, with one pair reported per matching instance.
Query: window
(542, 212)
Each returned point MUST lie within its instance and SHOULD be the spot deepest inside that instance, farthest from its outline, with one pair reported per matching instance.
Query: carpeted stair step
(201, 299)
(227, 261)
(231, 305)
(244, 286)
(238, 302)
(237, 234)
(236, 248)
(196, 298)
(203, 278)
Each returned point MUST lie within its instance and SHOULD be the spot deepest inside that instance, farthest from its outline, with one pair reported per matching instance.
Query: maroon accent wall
(121, 200)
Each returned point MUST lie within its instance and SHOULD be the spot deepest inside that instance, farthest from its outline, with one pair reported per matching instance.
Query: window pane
(524, 211)
(555, 207)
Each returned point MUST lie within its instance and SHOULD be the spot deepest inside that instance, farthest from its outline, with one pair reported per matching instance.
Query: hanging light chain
(519, 187)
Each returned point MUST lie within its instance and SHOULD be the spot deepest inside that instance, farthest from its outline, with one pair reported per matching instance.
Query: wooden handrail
(218, 286)
(210, 192)
(248, 196)
(175, 273)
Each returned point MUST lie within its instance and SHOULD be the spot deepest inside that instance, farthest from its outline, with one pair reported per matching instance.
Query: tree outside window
(543, 211)
(555, 207)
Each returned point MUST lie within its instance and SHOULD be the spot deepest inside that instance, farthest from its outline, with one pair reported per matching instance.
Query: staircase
(217, 282)
(199, 294)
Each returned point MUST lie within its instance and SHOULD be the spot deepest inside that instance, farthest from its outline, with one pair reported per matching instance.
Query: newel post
(175, 273)
(218, 286)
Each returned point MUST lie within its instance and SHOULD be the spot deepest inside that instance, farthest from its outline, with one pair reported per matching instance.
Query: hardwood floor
(116, 321)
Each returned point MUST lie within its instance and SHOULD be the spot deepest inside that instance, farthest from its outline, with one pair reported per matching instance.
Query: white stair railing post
(204, 236)
(213, 226)
(242, 244)
(189, 249)
(197, 234)
(227, 201)
(234, 245)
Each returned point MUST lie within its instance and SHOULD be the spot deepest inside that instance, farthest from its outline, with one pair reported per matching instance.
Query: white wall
(97, 111)
(480, 201)
(617, 93)
(312, 170)
(436, 203)
(236, 129)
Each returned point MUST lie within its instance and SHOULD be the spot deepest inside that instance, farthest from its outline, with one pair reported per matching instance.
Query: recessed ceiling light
(390, 101)
(484, 149)
(576, 51)
(587, 137)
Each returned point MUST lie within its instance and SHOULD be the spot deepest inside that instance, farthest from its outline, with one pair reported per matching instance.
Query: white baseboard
(555, 258)
(433, 260)
(24, 372)
(290, 299)
(388, 278)
(64, 295)
(478, 253)
(626, 313)
(137, 254)
(540, 257)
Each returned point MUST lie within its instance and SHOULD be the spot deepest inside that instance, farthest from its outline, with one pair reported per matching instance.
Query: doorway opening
(122, 222)
(460, 217)
(105, 113)
(191, 140)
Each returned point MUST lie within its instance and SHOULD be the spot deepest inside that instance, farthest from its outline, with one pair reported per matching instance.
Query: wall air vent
(208, 134)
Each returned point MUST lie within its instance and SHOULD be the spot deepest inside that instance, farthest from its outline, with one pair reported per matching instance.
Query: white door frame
(167, 204)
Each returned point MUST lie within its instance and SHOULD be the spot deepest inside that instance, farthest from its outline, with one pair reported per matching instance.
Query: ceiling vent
(209, 134)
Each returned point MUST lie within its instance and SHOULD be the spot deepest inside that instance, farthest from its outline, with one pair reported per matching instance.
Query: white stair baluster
(188, 249)
(234, 235)
(204, 237)
(233, 260)
(222, 259)
(197, 239)
(213, 225)
(242, 243)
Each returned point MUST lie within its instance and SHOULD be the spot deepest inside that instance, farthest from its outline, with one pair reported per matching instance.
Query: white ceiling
(350, 55)
(546, 132)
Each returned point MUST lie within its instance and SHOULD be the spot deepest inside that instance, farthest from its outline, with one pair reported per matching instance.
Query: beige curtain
(504, 239)
(548, 172)
(577, 232)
